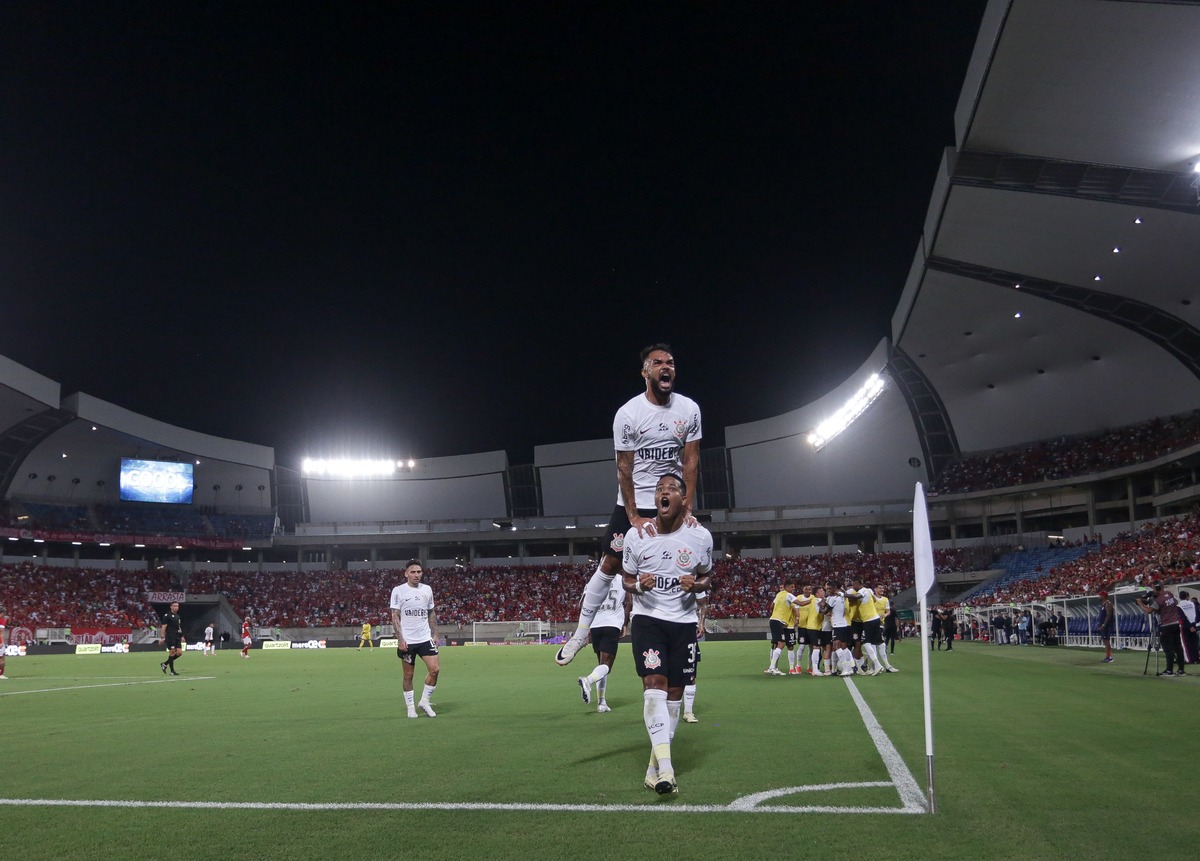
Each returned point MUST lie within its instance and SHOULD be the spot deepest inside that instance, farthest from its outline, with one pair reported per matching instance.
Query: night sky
(404, 229)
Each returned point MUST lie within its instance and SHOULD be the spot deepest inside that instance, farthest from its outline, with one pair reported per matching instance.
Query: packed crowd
(203, 521)
(1067, 457)
(37, 596)
(55, 597)
(1163, 552)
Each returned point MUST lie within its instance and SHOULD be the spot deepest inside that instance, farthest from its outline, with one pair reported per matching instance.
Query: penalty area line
(110, 685)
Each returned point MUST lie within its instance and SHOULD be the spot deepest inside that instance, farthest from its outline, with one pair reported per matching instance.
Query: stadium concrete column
(1091, 508)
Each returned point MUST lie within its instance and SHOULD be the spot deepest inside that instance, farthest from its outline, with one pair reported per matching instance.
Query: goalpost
(529, 631)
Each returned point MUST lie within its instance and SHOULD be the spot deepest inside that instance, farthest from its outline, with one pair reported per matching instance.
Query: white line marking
(910, 793)
(110, 685)
(536, 808)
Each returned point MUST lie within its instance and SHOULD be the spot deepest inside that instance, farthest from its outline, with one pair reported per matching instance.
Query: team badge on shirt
(618, 542)
(683, 557)
(681, 428)
(652, 659)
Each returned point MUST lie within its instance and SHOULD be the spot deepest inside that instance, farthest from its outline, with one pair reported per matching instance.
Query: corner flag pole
(923, 568)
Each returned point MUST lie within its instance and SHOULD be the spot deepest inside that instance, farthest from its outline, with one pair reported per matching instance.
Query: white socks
(597, 675)
(427, 693)
(593, 597)
(658, 726)
(689, 699)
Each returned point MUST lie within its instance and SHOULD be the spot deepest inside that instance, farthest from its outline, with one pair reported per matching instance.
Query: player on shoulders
(655, 433)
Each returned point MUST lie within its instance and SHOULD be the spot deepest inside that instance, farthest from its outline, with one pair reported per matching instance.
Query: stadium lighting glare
(850, 411)
(338, 468)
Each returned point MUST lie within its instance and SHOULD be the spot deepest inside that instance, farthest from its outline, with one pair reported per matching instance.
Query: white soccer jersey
(208, 632)
(838, 604)
(656, 436)
(611, 613)
(687, 550)
(414, 604)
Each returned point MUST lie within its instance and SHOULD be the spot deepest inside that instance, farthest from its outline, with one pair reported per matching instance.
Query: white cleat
(874, 671)
(427, 708)
(892, 670)
(603, 708)
(585, 689)
(688, 717)
(666, 784)
(412, 712)
(651, 781)
(568, 650)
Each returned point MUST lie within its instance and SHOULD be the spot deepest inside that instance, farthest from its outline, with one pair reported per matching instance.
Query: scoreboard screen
(156, 481)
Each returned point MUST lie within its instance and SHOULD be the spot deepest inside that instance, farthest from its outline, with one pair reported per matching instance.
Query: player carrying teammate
(664, 571)
(654, 434)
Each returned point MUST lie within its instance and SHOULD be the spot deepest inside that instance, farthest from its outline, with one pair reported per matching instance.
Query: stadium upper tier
(1051, 295)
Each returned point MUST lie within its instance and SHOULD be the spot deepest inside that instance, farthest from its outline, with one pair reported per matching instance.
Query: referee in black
(171, 634)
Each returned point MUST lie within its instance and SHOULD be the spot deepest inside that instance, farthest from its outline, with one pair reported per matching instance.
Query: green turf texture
(1039, 753)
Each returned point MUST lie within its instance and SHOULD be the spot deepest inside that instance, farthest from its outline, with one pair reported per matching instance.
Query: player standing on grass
(247, 639)
(608, 626)
(365, 636)
(416, 632)
(170, 632)
(3, 639)
(656, 433)
(665, 571)
(782, 622)
(209, 646)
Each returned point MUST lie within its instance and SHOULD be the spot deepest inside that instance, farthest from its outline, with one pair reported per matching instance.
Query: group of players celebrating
(843, 629)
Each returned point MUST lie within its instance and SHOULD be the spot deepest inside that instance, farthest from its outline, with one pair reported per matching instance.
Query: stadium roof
(1054, 290)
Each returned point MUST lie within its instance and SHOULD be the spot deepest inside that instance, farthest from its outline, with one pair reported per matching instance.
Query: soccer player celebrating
(610, 621)
(416, 630)
(665, 571)
(863, 599)
(655, 433)
(171, 633)
(782, 622)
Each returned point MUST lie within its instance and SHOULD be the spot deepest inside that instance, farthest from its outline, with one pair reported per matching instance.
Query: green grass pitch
(1039, 753)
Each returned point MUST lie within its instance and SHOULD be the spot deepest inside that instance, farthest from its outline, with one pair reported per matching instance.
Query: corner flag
(922, 546)
(923, 569)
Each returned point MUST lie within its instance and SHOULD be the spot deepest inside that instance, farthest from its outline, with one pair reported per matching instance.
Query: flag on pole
(923, 568)
(922, 546)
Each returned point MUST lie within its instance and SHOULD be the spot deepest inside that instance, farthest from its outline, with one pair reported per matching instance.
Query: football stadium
(1038, 391)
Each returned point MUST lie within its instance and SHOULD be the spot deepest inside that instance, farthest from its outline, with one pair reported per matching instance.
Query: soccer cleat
(568, 650)
(666, 783)
(688, 717)
(1106, 660)
(651, 781)
(874, 671)
(163, 667)
(603, 708)
(1167, 673)
(847, 672)
(585, 689)
(427, 708)
(795, 671)
(174, 673)
(412, 712)
(892, 670)
(3, 677)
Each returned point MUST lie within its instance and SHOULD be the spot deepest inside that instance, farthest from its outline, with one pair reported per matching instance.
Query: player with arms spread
(416, 630)
(655, 433)
(665, 571)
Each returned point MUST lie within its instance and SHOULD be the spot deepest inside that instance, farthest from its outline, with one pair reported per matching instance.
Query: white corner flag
(923, 569)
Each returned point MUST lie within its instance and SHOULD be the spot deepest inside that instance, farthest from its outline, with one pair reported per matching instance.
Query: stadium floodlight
(851, 410)
(348, 468)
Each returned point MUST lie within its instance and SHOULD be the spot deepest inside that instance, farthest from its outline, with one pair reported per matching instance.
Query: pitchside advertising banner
(98, 649)
(279, 645)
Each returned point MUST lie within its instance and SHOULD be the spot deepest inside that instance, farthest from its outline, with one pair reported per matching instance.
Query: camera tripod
(1153, 644)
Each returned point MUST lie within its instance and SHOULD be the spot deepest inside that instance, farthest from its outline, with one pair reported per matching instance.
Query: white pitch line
(666, 807)
(109, 685)
(910, 793)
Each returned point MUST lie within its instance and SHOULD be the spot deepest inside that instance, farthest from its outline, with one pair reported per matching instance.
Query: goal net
(533, 631)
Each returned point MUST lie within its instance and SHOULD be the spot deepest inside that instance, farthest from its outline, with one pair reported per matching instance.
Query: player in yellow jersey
(863, 600)
(365, 636)
(809, 632)
(884, 608)
(804, 606)
(782, 621)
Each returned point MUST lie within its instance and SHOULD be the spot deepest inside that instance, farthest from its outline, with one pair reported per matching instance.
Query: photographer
(1161, 601)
